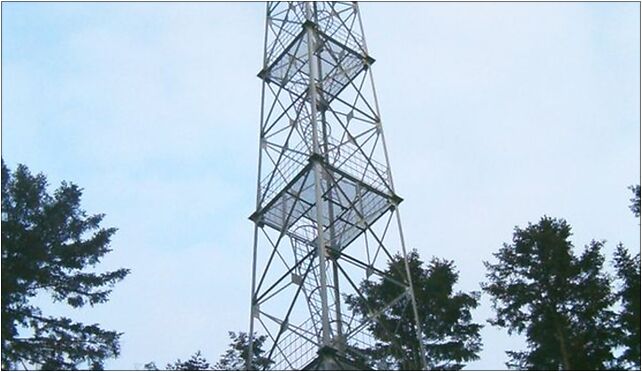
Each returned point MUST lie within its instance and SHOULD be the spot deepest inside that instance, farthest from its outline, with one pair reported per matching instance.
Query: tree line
(576, 309)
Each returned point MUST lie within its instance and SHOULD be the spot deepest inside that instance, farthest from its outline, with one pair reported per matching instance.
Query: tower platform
(353, 200)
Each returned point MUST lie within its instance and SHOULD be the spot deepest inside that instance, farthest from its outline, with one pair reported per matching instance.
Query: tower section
(326, 216)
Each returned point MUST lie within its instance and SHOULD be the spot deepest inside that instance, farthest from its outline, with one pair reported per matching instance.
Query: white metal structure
(326, 213)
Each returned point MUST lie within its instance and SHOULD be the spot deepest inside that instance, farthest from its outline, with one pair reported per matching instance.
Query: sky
(495, 114)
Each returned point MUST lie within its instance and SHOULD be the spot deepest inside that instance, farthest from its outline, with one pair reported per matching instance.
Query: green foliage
(450, 337)
(235, 358)
(628, 272)
(628, 293)
(195, 363)
(635, 200)
(47, 243)
(562, 303)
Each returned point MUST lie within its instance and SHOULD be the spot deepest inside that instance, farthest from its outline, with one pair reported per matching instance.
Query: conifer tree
(49, 245)
(195, 363)
(450, 337)
(561, 303)
(628, 272)
(235, 358)
(628, 292)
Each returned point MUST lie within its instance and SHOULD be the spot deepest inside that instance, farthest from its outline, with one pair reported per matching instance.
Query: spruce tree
(235, 358)
(562, 303)
(628, 319)
(450, 337)
(628, 292)
(50, 245)
(195, 363)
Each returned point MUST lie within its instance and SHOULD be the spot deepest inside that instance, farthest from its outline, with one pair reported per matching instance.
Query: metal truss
(326, 213)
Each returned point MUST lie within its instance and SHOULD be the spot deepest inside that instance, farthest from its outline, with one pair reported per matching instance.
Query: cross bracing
(326, 213)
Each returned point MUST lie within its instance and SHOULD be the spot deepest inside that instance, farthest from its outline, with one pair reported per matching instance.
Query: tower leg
(325, 319)
(248, 362)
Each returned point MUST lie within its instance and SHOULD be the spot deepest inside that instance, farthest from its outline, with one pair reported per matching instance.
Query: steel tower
(326, 206)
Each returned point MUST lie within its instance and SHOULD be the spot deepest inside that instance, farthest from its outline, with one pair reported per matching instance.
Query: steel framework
(326, 207)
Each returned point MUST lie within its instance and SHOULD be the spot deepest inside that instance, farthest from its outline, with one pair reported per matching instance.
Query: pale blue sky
(495, 114)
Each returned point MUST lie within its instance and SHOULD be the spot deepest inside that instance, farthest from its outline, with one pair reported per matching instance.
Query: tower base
(330, 359)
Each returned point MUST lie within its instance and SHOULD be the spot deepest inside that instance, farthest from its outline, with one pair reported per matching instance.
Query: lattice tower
(327, 214)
